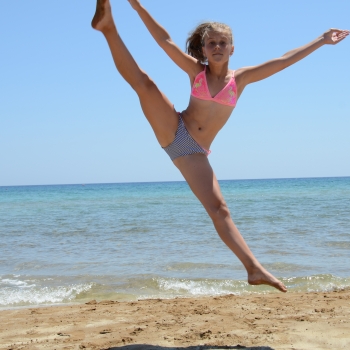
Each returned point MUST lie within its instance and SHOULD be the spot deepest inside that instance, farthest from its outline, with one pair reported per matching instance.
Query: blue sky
(66, 116)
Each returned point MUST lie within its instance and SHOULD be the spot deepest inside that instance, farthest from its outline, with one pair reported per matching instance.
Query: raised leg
(157, 108)
(202, 181)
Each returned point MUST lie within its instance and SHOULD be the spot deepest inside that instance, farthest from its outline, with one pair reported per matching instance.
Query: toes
(282, 288)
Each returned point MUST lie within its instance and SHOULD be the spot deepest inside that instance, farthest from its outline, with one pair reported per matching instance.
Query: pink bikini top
(227, 96)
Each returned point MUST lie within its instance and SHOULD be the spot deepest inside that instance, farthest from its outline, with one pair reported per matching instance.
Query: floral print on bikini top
(227, 96)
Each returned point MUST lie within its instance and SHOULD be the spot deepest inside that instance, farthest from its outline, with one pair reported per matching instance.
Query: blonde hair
(195, 41)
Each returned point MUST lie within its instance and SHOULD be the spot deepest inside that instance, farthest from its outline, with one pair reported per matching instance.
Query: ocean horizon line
(175, 181)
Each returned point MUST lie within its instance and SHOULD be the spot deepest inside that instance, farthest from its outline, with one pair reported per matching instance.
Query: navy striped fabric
(183, 144)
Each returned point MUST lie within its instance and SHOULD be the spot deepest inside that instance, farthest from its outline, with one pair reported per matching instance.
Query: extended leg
(202, 181)
(157, 108)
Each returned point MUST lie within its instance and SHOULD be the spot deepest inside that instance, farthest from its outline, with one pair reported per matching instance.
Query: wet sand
(261, 322)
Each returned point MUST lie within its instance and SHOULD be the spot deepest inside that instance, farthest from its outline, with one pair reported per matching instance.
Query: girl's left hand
(335, 36)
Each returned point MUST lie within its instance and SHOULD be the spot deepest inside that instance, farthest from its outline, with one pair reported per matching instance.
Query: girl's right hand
(135, 4)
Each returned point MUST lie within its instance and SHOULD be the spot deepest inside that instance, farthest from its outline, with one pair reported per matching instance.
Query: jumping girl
(186, 137)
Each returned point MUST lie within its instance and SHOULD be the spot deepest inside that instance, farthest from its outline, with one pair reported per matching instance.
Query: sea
(66, 244)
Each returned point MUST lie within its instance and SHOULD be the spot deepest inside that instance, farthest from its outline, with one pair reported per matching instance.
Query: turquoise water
(71, 243)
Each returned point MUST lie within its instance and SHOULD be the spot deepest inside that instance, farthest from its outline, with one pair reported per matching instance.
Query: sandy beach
(272, 321)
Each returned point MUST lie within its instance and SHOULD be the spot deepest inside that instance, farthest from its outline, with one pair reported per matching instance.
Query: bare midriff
(204, 119)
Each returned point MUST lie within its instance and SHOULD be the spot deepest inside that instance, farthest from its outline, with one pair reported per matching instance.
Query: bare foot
(103, 16)
(261, 276)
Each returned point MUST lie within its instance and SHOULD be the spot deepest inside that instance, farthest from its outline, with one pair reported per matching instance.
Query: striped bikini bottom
(183, 144)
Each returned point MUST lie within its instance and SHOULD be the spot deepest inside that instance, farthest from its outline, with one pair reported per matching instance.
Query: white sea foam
(172, 287)
(20, 293)
(11, 282)
(43, 291)
(201, 287)
(317, 283)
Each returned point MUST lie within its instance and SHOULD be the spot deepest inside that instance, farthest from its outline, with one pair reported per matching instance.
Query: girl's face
(217, 46)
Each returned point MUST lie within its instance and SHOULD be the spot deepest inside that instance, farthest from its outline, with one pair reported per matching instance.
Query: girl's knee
(219, 211)
(144, 84)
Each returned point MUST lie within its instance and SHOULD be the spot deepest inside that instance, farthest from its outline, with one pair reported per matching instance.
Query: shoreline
(41, 294)
(135, 298)
(315, 320)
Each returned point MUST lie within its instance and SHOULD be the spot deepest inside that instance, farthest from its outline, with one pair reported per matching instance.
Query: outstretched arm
(161, 36)
(252, 74)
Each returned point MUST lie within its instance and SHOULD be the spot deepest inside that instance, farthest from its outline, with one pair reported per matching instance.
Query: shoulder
(240, 72)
